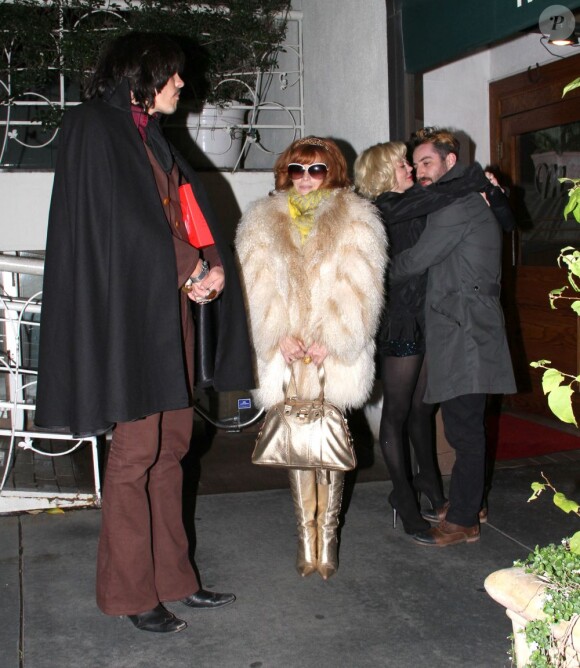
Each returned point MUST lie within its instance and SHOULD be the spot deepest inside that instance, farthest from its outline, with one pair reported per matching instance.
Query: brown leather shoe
(447, 533)
(436, 515)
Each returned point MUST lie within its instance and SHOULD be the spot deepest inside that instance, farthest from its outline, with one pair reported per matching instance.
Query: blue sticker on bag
(244, 404)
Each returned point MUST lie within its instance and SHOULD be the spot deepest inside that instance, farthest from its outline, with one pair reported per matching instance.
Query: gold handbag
(303, 434)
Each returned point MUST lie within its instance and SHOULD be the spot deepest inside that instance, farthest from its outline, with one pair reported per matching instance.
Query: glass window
(545, 156)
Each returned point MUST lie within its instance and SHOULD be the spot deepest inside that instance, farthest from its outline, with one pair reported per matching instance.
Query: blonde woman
(313, 256)
(383, 174)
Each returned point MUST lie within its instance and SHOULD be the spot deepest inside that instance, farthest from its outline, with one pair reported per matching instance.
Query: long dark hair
(146, 60)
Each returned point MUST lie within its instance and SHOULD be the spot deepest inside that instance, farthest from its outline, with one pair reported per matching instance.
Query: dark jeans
(463, 420)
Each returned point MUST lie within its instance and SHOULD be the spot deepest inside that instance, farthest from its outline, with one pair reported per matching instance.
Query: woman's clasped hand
(293, 349)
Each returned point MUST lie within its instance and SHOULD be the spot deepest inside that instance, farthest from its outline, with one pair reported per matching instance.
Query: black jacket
(110, 340)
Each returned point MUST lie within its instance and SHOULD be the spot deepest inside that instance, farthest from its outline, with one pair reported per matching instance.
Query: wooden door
(535, 138)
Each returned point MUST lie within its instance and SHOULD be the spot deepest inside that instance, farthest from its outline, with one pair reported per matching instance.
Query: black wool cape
(110, 338)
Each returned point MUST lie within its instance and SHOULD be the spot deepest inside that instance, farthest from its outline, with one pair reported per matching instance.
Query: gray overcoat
(467, 350)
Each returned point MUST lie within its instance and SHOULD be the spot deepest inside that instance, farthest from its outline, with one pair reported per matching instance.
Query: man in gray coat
(467, 351)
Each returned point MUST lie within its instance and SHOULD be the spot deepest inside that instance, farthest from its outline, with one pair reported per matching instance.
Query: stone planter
(522, 595)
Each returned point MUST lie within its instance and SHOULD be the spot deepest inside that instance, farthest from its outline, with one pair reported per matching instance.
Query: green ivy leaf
(575, 306)
(539, 363)
(564, 503)
(575, 543)
(573, 205)
(537, 488)
(560, 403)
(551, 379)
(571, 280)
(556, 292)
(571, 86)
(570, 254)
(571, 259)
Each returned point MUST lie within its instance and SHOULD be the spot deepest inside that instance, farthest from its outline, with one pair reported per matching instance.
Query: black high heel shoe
(434, 493)
(411, 519)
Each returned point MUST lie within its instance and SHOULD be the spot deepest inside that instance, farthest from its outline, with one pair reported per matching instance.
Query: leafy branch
(564, 503)
(573, 206)
(554, 385)
(558, 392)
(558, 565)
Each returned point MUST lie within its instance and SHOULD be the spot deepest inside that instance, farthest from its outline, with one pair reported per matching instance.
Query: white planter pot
(218, 133)
(522, 595)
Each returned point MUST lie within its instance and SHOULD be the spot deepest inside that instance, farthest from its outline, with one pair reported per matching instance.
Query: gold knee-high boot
(327, 518)
(303, 488)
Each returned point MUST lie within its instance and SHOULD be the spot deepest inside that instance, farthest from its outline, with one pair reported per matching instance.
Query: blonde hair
(374, 169)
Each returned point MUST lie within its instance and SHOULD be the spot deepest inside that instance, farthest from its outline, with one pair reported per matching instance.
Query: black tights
(405, 417)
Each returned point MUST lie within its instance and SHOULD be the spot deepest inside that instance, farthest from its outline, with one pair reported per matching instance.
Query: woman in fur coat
(313, 255)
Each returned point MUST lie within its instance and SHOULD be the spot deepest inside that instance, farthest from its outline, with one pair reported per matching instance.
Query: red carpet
(512, 438)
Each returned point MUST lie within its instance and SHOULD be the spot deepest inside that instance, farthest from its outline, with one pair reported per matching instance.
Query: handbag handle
(288, 378)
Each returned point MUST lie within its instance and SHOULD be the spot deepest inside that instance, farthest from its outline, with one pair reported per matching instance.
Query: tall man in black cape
(116, 346)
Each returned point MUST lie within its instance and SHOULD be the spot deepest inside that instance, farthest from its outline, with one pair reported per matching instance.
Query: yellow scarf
(303, 207)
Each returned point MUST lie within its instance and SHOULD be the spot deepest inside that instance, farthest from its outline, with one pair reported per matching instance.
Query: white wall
(457, 95)
(25, 201)
(345, 71)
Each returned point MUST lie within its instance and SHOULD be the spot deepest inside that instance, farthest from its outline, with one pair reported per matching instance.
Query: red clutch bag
(196, 225)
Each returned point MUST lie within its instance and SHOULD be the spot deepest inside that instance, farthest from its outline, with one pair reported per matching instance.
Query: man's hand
(210, 287)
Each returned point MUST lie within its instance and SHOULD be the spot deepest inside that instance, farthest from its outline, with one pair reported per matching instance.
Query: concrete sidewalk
(392, 603)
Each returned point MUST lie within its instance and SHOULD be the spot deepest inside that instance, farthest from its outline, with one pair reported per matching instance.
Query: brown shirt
(185, 254)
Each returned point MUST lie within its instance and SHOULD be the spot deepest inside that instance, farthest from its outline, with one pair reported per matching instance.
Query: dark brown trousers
(143, 549)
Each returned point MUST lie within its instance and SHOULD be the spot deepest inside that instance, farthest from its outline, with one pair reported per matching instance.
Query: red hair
(307, 151)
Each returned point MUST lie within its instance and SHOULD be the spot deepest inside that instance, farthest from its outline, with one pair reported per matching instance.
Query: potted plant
(51, 45)
(541, 594)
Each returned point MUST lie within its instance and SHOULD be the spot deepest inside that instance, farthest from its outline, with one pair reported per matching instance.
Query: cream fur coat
(328, 290)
